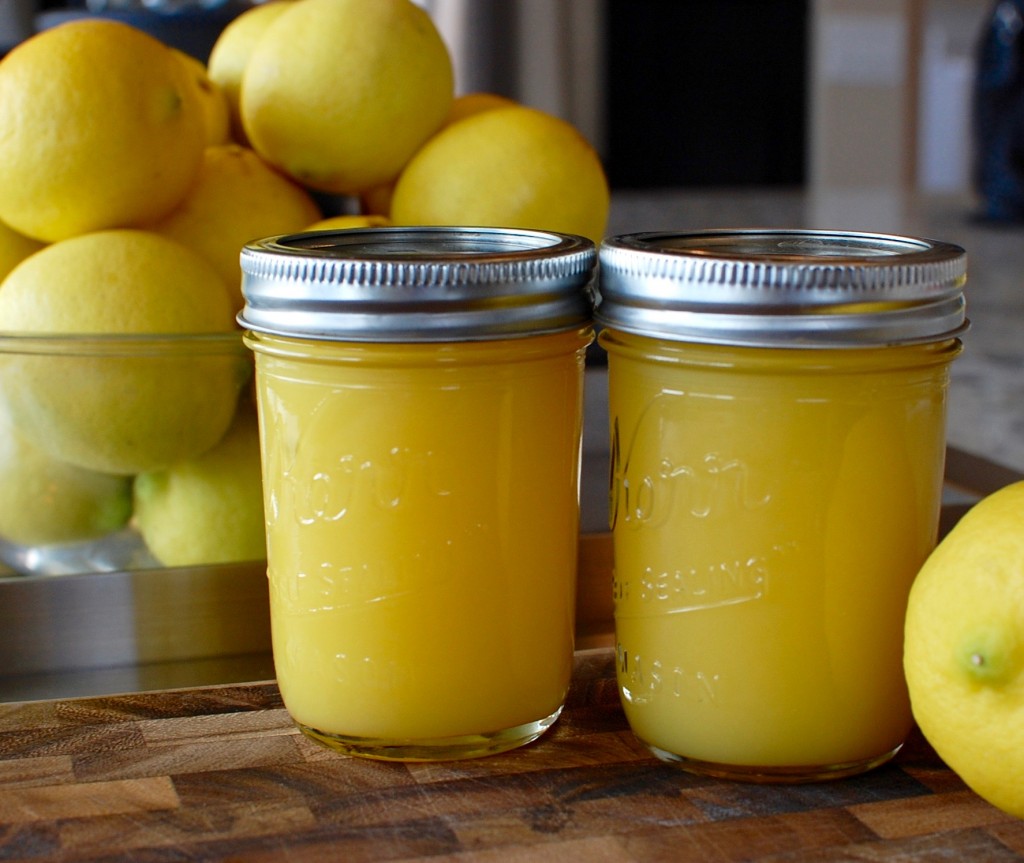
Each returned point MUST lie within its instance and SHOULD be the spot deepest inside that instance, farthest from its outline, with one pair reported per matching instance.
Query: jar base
(774, 774)
(433, 749)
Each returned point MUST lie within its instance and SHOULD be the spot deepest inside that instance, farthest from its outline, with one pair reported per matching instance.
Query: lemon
(208, 509)
(237, 197)
(14, 248)
(377, 200)
(43, 500)
(341, 93)
(344, 222)
(111, 411)
(964, 648)
(230, 54)
(511, 167)
(214, 104)
(117, 281)
(100, 127)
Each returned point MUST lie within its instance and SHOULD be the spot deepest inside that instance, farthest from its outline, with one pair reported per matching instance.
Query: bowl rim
(122, 344)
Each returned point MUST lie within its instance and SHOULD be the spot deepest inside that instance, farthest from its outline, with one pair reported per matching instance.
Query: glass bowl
(81, 416)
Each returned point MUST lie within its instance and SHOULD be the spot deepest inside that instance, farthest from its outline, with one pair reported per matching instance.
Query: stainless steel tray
(121, 631)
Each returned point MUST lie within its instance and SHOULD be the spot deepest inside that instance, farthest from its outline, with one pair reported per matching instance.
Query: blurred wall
(862, 110)
(15, 22)
(545, 53)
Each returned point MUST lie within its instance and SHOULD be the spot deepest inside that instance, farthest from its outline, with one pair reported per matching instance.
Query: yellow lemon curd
(770, 509)
(422, 507)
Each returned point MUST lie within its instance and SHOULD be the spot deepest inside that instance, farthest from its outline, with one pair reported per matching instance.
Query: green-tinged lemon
(44, 500)
(208, 509)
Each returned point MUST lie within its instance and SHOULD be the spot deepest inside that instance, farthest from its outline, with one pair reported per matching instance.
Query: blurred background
(880, 115)
(863, 96)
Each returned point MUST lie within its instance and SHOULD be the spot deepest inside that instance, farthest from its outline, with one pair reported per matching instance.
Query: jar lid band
(417, 284)
(791, 288)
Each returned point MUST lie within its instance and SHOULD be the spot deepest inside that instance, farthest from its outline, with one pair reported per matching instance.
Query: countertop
(219, 773)
(215, 771)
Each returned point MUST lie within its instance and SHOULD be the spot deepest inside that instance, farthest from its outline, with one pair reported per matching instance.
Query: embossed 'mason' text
(643, 679)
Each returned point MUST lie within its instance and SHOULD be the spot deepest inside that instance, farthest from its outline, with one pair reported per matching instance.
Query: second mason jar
(778, 435)
(420, 403)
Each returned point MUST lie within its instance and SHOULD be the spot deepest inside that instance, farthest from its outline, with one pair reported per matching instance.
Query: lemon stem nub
(987, 655)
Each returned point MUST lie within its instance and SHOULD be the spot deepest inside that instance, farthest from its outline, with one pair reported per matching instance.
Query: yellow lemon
(100, 127)
(44, 500)
(377, 200)
(230, 54)
(340, 93)
(216, 113)
(334, 223)
(237, 197)
(118, 281)
(964, 648)
(506, 167)
(208, 509)
(137, 404)
(14, 248)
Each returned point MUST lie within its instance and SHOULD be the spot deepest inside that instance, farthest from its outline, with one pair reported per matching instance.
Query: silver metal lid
(782, 288)
(417, 284)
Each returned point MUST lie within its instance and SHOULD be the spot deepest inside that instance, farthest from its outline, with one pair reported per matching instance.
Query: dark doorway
(706, 92)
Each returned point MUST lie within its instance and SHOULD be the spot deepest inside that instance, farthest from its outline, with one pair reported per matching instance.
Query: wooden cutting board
(220, 774)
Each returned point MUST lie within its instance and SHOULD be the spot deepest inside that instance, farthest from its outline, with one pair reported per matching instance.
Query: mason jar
(777, 403)
(420, 404)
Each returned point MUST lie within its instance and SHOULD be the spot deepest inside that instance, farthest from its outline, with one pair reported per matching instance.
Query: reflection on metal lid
(787, 288)
(417, 284)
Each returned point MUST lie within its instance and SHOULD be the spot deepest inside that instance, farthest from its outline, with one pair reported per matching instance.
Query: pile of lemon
(130, 176)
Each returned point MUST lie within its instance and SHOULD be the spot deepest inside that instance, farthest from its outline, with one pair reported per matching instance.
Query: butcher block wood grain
(220, 774)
